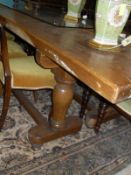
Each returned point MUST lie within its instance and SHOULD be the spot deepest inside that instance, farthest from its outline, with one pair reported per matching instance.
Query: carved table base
(57, 125)
(42, 134)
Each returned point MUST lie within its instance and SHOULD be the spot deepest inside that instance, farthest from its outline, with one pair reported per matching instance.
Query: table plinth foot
(41, 134)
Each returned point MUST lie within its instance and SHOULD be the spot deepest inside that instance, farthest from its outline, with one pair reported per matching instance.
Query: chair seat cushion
(10, 36)
(27, 74)
(125, 106)
(15, 50)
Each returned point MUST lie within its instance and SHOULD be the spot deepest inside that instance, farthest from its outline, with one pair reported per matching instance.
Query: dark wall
(88, 9)
(89, 4)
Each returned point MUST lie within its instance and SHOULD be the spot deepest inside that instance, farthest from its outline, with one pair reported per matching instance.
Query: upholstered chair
(20, 73)
(96, 121)
(125, 107)
(14, 49)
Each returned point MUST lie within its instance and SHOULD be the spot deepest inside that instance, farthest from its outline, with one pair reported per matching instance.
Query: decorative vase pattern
(75, 7)
(111, 17)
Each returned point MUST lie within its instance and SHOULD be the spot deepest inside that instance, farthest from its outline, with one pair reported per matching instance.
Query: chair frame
(7, 89)
(103, 106)
(7, 75)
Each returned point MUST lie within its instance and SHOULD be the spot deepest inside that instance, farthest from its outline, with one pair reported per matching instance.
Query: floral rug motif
(83, 153)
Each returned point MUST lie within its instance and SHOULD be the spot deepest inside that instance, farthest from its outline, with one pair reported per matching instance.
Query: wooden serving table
(66, 52)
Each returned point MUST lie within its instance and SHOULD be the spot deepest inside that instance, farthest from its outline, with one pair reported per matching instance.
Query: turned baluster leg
(85, 99)
(101, 114)
(58, 125)
(62, 97)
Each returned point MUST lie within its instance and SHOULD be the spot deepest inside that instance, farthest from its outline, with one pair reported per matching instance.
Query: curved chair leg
(35, 96)
(6, 100)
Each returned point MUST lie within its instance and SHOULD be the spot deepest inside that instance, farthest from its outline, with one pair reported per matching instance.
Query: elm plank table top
(67, 54)
(109, 74)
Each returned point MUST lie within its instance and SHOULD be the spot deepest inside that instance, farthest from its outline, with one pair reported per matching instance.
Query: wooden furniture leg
(101, 114)
(58, 124)
(105, 113)
(85, 99)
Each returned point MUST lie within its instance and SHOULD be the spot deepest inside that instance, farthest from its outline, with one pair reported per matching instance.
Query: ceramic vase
(74, 8)
(111, 17)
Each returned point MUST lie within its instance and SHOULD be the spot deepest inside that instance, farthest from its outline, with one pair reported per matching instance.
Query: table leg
(58, 125)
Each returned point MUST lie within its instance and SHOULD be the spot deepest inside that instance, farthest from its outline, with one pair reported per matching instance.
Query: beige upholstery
(15, 50)
(27, 74)
(125, 106)
(10, 36)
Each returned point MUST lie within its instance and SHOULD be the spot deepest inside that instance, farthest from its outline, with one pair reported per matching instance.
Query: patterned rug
(83, 153)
